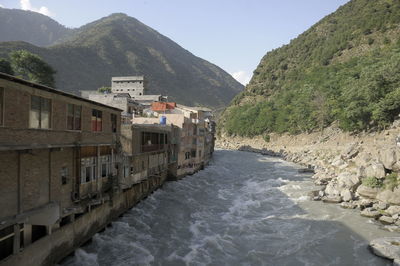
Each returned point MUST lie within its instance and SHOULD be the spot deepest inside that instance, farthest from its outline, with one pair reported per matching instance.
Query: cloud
(1, 6)
(26, 5)
(241, 76)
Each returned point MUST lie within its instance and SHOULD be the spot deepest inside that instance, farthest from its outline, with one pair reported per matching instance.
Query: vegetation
(104, 90)
(346, 68)
(372, 182)
(391, 181)
(32, 67)
(5, 67)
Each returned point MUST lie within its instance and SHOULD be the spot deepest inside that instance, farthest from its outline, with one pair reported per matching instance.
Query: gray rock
(348, 205)
(332, 199)
(388, 157)
(375, 169)
(370, 213)
(348, 180)
(351, 151)
(392, 210)
(332, 189)
(367, 192)
(346, 195)
(390, 197)
(392, 228)
(386, 220)
(380, 205)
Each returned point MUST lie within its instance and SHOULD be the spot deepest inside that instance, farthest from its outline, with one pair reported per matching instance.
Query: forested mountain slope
(345, 68)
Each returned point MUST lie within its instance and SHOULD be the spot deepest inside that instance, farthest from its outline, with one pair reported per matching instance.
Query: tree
(104, 90)
(32, 67)
(5, 67)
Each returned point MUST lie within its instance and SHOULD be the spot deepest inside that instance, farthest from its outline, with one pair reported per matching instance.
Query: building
(133, 85)
(57, 159)
(196, 135)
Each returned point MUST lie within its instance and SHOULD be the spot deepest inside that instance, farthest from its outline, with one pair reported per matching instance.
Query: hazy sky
(233, 34)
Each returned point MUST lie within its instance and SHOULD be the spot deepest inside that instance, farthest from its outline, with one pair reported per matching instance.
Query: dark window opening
(96, 120)
(114, 123)
(64, 175)
(74, 117)
(38, 231)
(1, 106)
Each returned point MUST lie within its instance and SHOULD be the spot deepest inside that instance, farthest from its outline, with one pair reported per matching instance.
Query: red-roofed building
(162, 106)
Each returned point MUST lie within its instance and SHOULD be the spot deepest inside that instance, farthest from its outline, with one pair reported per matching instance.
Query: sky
(233, 34)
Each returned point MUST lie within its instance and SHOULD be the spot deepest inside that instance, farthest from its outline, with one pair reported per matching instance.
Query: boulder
(332, 199)
(374, 169)
(364, 203)
(380, 206)
(386, 220)
(351, 151)
(367, 192)
(332, 189)
(348, 205)
(338, 161)
(388, 157)
(392, 210)
(390, 197)
(362, 159)
(348, 180)
(370, 213)
(386, 247)
(346, 194)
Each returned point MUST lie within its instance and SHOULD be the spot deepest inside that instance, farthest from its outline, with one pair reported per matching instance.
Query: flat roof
(48, 89)
(127, 78)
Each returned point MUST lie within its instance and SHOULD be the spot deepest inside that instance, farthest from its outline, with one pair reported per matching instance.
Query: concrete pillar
(27, 234)
(16, 244)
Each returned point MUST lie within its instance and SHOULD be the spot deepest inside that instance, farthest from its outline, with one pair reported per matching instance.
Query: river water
(243, 209)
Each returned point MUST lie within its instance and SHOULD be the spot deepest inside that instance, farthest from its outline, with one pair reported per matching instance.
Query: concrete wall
(51, 249)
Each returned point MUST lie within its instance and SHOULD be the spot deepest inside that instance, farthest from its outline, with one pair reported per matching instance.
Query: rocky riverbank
(355, 171)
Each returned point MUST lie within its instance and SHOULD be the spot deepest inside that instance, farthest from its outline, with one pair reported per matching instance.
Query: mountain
(119, 45)
(344, 69)
(32, 27)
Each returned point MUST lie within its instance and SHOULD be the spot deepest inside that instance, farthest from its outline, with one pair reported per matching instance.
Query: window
(88, 169)
(105, 165)
(40, 113)
(74, 114)
(96, 120)
(200, 153)
(114, 123)
(64, 175)
(193, 154)
(187, 155)
(1, 106)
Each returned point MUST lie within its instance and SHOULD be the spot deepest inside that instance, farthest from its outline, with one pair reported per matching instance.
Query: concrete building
(57, 159)
(133, 85)
(196, 134)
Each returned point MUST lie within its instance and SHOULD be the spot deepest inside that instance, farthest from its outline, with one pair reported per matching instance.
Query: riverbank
(355, 171)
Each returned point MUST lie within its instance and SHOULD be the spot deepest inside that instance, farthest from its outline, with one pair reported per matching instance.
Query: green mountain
(120, 45)
(345, 68)
(32, 27)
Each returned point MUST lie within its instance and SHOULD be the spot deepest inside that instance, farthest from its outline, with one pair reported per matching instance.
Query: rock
(380, 206)
(387, 247)
(362, 159)
(388, 157)
(390, 197)
(332, 199)
(351, 151)
(396, 216)
(346, 195)
(364, 203)
(348, 205)
(386, 219)
(375, 169)
(392, 210)
(370, 213)
(348, 180)
(332, 189)
(338, 161)
(367, 192)
(392, 228)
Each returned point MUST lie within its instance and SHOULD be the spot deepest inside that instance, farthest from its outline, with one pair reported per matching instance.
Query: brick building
(57, 159)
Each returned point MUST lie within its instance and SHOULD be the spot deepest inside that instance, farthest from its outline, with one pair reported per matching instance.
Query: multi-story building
(57, 159)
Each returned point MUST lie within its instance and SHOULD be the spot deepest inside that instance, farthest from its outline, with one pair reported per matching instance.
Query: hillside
(120, 45)
(31, 27)
(345, 68)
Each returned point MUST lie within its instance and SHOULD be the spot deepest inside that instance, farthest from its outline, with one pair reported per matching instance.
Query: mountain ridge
(119, 45)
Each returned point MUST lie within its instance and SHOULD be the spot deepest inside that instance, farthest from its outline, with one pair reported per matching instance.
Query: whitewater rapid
(243, 209)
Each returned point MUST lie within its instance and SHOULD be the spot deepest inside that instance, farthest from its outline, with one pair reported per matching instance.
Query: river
(243, 209)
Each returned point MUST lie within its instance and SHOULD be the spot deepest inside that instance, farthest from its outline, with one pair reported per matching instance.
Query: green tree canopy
(32, 67)
(5, 67)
